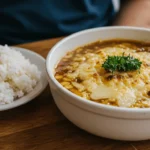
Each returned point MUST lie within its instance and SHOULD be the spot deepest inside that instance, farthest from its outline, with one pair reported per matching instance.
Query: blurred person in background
(24, 21)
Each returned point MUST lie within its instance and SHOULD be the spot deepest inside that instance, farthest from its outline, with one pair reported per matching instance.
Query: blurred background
(23, 21)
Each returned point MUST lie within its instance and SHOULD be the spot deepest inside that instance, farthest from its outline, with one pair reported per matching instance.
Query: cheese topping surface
(81, 72)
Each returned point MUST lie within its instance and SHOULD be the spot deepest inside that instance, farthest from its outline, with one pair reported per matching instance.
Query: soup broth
(81, 72)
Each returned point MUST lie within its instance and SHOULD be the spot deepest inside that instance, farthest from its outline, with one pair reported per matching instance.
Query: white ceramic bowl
(99, 119)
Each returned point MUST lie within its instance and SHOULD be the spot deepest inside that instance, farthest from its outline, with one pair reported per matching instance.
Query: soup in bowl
(114, 72)
(100, 80)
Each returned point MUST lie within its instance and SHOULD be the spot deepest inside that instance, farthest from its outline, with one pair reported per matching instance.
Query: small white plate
(39, 61)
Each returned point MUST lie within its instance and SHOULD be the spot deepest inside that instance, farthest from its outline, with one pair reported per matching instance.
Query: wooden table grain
(39, 125)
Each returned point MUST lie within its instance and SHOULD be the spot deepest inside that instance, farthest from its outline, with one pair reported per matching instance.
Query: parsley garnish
(121, 63)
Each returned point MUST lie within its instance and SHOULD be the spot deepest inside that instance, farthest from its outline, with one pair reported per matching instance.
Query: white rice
(17, 75)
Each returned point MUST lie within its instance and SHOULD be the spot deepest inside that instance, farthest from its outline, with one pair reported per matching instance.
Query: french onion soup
(114, 72)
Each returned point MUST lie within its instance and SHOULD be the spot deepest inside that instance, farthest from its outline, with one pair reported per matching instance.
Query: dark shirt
(30, 20)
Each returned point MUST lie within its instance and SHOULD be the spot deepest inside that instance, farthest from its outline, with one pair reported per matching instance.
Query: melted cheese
(127, 90)
(103, 92)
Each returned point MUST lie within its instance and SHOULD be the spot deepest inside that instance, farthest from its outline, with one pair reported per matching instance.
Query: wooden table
(39, 125)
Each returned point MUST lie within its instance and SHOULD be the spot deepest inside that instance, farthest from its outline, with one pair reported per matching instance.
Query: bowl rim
(83, 100)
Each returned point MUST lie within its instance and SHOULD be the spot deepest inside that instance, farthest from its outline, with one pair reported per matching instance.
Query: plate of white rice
(22, 76)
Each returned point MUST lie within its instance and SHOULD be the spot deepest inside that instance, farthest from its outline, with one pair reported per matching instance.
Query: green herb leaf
(121, 63)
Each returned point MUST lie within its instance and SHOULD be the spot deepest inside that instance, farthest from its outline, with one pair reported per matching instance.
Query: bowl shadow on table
(41, 122)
